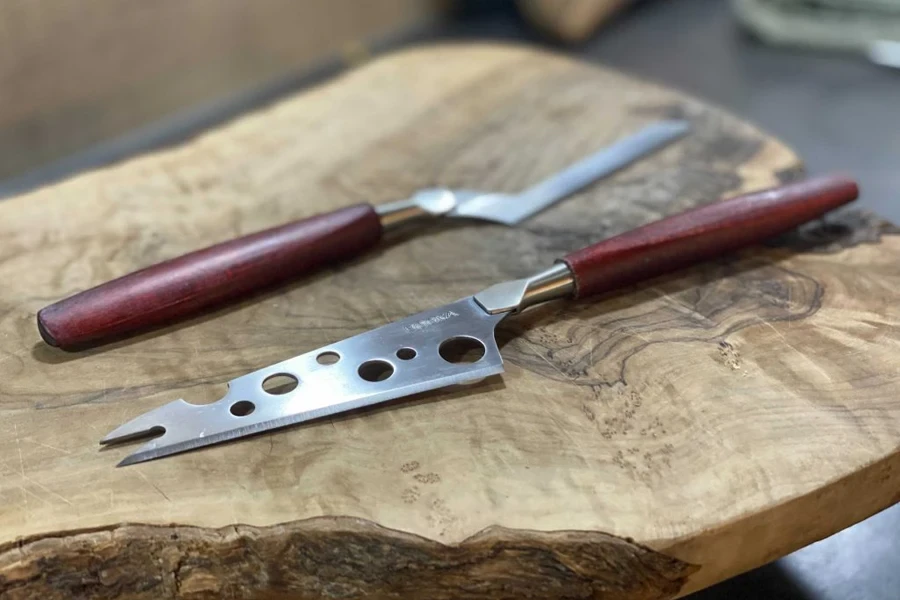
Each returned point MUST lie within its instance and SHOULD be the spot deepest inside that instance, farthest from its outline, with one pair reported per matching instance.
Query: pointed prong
(148, 452)
(151, 423)
(132, 459)
(160, 447)
(135, 429)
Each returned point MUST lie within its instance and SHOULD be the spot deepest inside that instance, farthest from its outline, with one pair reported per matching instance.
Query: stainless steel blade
(392, 361)
(511, 209)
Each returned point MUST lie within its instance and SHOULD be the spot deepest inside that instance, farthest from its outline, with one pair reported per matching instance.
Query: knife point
(131, 459)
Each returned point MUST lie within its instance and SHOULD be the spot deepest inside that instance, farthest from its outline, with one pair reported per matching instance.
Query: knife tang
(181, 287)
(704, 233)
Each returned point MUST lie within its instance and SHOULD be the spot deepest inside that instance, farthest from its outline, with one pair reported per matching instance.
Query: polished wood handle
(704, 233)
(208, 278)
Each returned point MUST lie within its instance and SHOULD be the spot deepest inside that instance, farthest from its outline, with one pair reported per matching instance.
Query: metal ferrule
(425, 205)
(514, 296)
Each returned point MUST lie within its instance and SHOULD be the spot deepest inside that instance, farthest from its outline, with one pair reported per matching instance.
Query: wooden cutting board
(641, 446)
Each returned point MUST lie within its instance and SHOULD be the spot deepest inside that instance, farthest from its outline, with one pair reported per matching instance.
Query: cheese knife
(455, 343)
(206, 279)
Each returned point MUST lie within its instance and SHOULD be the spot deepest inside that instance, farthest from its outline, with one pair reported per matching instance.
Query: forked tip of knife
(133, 430)
(150, 424)
(132, 459)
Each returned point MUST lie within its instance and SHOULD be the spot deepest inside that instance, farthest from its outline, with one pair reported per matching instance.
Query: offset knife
(455, 343)
(205, 279)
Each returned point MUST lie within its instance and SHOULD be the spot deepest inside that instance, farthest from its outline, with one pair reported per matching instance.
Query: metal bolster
(514, 296)
(424, 205)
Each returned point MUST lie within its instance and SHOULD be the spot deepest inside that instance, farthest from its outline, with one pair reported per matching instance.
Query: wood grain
(341, 557)
(653, 442)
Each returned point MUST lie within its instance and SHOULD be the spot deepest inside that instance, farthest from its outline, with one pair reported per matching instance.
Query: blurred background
(87, 84)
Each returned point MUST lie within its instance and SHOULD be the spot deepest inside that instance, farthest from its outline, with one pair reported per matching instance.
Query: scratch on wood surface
(21, 469)
(19, 449)
(153, 485)
(26, 492)
(46, 489)
(664, 295)
(61, 450)
(5, 468)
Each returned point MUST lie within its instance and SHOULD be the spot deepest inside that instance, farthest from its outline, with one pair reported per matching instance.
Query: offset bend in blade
(511, 209)
(392, 361)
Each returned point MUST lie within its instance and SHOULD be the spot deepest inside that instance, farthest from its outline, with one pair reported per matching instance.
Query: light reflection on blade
(327, 389)
(514, 208)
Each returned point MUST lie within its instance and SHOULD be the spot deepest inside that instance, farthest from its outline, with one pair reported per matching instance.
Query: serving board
(643, 445)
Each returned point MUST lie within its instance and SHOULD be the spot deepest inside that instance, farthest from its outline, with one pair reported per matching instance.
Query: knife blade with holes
(209, 278)
(455, 343)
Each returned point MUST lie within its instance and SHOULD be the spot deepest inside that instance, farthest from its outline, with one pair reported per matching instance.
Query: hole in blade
(280, 383)
(242, 408)
(462, 350)
(328, 358)
(376, 370)
(406, 354)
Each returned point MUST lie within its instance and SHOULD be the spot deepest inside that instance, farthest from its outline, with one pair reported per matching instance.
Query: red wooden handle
(183, 286)
(704, 233)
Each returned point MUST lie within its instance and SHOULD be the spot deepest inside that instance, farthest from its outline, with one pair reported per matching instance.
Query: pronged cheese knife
(209, 278)
(455, 343)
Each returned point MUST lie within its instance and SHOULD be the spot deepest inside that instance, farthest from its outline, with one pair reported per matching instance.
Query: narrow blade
(511, 209)
(392, 361)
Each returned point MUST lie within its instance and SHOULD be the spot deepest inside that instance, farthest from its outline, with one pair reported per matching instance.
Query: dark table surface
(838, 112)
